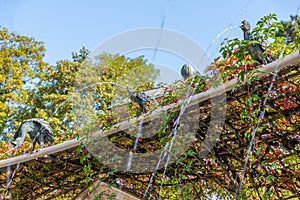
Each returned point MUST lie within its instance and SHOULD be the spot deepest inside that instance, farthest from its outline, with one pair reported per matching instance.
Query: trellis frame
(61, 149)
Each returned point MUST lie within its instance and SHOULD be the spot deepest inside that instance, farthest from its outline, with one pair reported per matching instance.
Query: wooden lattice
(273, 169)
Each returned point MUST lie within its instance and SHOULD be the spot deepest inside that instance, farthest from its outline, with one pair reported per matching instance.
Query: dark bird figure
(38, 130)
(187, 71)
(256, 50)
(139, 97)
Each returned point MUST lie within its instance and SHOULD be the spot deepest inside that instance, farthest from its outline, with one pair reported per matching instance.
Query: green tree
(22, 68)
(104, 79)
(29, 87)
(58, 94)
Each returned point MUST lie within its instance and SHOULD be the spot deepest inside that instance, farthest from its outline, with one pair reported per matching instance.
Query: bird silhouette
(256, 50)
(139, 97)
(38, 129)
(187, 71)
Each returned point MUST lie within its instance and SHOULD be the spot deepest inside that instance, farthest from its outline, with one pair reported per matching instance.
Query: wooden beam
(280, 63)
(40, 153)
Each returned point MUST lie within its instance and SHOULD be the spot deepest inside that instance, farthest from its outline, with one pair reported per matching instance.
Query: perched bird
(139, 97)
(256, 50)
(187, 71)
(38, 130)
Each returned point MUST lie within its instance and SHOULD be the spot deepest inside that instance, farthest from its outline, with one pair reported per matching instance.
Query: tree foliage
(22, 69)
(32, 88)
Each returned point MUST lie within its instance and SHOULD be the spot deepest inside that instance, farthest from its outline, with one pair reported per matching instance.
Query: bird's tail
(49, 137)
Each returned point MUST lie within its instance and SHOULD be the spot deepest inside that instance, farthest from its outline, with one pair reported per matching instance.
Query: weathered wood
(104, 191)
(40, 153)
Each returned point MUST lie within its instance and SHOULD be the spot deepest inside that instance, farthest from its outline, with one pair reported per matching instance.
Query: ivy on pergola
(273, 170)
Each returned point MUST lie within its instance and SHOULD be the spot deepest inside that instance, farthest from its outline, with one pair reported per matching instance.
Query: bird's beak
(13, 143)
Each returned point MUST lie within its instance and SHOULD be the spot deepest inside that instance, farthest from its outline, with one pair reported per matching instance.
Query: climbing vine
(273, 168)
(236, 62)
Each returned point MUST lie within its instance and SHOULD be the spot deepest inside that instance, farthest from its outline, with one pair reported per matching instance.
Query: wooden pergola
(57, 172)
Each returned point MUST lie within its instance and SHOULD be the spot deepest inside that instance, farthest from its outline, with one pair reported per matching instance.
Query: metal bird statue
(256, 50)
(187, 71)
(38, 129)
(139, 97)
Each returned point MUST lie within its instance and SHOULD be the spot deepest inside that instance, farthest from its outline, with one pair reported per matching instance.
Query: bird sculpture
(187, 71)
(138, 97)
(38, 129)
(256, 50)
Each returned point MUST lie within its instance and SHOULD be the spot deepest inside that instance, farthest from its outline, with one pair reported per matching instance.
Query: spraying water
(168, 146)
(161, 158)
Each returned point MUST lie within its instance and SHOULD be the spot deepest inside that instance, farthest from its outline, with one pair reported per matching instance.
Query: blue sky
(65, 25)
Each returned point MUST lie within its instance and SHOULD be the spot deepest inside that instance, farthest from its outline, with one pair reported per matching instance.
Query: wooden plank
(40, 153)
(104, 191)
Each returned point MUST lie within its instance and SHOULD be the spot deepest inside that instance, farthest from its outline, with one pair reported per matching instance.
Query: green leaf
(270, 177)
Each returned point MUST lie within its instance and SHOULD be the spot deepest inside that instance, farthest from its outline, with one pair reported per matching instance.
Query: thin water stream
(168, 146)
